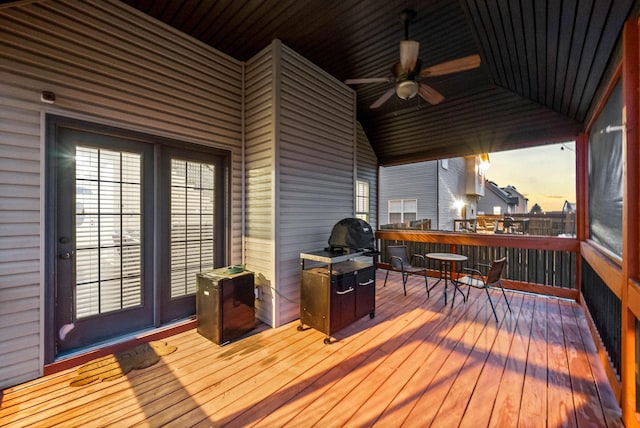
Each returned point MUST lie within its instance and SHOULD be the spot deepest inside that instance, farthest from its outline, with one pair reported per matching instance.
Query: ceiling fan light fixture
(407, 89)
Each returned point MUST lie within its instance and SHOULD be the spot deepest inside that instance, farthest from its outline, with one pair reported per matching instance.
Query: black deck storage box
(225, 305)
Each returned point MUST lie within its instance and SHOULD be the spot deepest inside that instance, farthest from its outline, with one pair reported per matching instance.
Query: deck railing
(545, 265)
(605, 309)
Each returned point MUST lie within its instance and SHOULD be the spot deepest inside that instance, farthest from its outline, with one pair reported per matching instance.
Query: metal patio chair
(477, 280)
(400, 262)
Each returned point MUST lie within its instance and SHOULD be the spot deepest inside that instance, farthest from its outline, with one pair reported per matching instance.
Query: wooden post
(582, 201)
(629, 216)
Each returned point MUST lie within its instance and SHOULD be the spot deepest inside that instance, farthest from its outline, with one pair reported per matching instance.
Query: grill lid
(352, 234)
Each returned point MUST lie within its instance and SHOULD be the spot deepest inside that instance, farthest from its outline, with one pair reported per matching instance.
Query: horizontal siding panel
(110, 35)
(302, 113)
(312, 137)
(139, 91)
(19, 279)
(15, 358)
(19, 312)
(320, 167)
(19, 216)
(17, 204)
(30, 290)
(19, 178)
(19, 165)
(14, 190)
(174, 45)
(19, 372)
(260, 114)
(7, 230)
(293, 87)
(16, 332)
(27, 121)
(18, 127)
(130, 109)
(16, 147)
(20, 254)
(25, 266)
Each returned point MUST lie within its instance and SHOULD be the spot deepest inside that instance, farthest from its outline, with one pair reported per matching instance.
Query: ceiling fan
(408, 72)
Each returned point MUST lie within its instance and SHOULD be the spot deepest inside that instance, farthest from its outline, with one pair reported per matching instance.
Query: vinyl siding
(300, 145)
(19, 241)
(260, 180)
(490, 200)
(110, 64)
(411, 181)
(316, 149)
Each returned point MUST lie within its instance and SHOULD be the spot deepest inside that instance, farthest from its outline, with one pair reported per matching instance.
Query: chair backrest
(398, 251)
(496, 270)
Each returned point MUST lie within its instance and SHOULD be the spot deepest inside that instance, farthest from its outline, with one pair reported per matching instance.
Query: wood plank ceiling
(542, 62)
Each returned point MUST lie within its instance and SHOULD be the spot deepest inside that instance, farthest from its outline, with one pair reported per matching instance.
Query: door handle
(349, 290)
(363, 284)
(66, 255)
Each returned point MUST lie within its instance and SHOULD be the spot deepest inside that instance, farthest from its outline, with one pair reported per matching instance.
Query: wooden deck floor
(415, 364)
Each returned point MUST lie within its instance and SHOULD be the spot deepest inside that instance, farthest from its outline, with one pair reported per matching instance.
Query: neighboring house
(439, 190)
(522, 201)
(502, 200)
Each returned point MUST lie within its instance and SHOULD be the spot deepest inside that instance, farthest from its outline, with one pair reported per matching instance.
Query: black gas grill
(351, 235)
(339, 287)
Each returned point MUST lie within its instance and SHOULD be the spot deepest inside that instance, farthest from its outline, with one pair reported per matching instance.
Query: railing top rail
(530, 242)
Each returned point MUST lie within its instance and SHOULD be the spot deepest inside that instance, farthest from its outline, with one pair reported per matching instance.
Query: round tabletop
(447, 257)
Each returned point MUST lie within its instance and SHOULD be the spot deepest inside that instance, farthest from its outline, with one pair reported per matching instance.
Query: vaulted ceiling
(542, 62)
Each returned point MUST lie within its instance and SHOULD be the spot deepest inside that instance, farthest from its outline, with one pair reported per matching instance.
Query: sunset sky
(544, 174)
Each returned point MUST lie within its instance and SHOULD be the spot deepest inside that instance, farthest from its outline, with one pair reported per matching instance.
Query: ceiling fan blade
(453, 66)
(409, 50)
(430, 95)
(383, 98)
(366, 80)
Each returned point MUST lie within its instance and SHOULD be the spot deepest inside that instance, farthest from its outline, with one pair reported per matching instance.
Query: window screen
(605, 175)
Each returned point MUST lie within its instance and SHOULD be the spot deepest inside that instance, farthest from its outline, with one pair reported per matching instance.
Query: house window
(362, 200)
(403, 210)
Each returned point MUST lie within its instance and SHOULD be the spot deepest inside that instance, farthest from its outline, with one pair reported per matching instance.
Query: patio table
(445, 261)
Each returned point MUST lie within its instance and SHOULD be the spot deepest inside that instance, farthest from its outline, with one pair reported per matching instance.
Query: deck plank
(507, 405)
(535, 381)
(452, 409)
(417, 363)
(481, 402)
(585, 393)
(612, 411)
(561, 411)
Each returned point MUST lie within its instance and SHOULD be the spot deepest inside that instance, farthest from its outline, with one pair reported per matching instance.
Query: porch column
(630, 237)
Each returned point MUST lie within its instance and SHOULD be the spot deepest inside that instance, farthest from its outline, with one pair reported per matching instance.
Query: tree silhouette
(535, 209)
